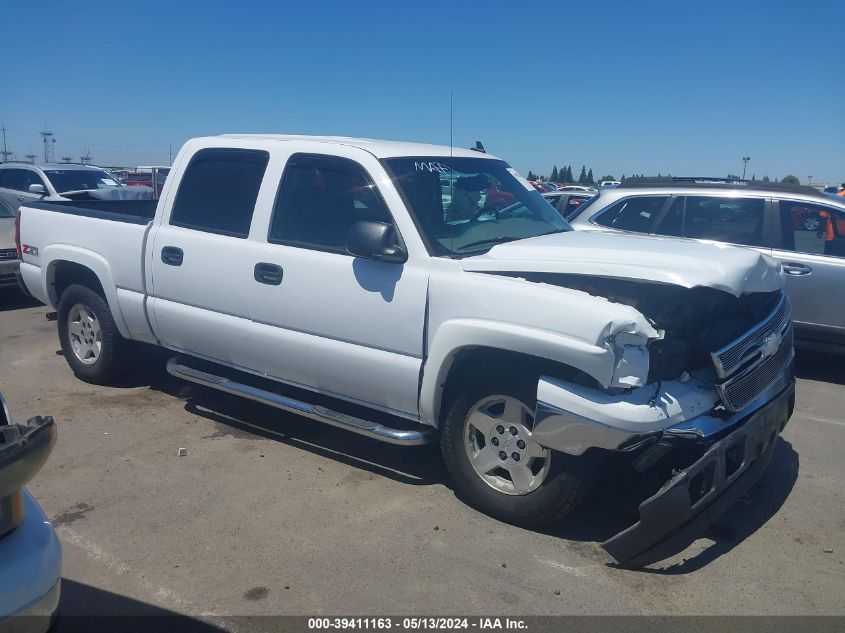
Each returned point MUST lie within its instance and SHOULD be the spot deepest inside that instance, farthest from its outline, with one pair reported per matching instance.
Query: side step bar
(423, 435)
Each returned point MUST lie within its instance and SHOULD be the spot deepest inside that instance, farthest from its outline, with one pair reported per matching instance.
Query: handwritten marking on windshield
(432, 167)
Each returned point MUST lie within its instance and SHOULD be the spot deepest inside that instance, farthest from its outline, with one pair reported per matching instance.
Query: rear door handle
(172, 256)
(270, 274)
(792, 268)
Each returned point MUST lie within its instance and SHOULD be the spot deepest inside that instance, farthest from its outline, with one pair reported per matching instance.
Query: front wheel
(497, 466)
(91, 343)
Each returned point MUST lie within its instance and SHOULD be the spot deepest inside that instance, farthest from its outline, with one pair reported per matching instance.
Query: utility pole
(170, 150)
(30, 157)
(745, 160)
(49, 141)
(809, 181)
(67, 159)
(86, 160)
(6, 151)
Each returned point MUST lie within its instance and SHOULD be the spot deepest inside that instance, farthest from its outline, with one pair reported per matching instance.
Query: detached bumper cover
(697, 496)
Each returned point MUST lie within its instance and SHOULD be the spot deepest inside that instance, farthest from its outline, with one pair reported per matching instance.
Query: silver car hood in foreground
(685, 263)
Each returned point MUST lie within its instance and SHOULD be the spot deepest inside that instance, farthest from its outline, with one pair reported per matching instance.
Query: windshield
(465, 206)
(80, 179)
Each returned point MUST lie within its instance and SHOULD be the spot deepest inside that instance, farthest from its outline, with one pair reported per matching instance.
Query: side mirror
(38, 189)
(374, 240)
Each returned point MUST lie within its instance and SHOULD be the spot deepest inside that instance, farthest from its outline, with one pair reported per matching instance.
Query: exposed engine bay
(695, 321)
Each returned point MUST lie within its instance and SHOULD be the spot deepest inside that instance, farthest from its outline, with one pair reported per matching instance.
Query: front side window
(633, 214)
(218, 191)
(65, 180)
(320, 198)
(813, 229)
(19, 179)
(732, 220)
(465, 206)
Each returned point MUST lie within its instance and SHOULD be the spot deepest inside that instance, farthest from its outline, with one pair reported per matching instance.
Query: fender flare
(54, 254)
(457, 335)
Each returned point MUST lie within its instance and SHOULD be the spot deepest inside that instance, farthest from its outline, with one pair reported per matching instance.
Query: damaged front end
(719, 389)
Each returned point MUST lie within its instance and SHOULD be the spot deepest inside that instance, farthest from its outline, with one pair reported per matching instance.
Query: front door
(323, 319)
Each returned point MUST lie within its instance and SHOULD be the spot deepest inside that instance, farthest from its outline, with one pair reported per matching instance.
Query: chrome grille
(731, 357)
(8, 253)
(737, 392)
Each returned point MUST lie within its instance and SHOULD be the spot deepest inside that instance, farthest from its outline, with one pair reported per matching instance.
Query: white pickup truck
(372, 276)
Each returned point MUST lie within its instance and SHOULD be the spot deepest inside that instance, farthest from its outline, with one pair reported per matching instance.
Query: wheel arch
(68, 266)
(459, 346)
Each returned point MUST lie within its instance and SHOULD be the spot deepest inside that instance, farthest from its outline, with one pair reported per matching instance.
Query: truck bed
(132, 211)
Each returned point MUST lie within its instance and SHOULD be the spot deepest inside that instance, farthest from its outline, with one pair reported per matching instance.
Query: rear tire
(91, 343)
(542, 489)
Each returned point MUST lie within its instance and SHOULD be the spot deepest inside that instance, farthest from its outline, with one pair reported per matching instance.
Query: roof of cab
(379, 149)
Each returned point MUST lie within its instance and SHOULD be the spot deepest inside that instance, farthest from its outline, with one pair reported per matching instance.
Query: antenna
(451, 110)
(49, 141)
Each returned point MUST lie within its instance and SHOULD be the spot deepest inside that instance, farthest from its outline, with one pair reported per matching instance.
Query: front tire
(496, 465)
(91, 343)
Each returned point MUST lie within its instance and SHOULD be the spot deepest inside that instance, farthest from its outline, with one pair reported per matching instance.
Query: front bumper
(737, 449)
(697, 496)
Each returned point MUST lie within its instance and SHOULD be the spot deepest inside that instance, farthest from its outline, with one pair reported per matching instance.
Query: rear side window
(218, 191)
(813, 229)
(634, 214)
(320, 198)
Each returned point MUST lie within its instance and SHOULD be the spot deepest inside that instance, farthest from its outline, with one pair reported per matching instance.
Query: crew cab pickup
(369, 276)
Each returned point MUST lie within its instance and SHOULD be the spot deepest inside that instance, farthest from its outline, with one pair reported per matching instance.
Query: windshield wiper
(491, 240)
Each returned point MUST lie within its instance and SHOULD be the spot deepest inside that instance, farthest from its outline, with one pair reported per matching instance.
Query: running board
(423, 435)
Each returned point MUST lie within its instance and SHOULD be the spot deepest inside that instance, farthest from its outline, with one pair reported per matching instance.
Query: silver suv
(799, 226)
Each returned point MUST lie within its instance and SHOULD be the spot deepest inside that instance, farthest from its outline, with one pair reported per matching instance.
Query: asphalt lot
(269, 513)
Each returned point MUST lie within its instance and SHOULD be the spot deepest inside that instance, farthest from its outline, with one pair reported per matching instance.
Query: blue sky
(672, 87)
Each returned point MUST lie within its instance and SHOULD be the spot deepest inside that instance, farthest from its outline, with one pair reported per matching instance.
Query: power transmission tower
(49, 141)
(67, 159)
(86, 160)
(6, 151)
(30, 157)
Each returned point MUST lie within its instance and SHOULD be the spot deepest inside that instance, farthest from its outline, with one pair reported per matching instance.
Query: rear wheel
(495, 463)
(91, 343)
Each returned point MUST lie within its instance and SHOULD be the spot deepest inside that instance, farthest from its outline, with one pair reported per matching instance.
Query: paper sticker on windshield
(521, 180)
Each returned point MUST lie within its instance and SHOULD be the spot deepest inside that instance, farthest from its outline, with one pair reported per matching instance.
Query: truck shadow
(14, 299)
(819, 366)
(610, 508)
(613, 506)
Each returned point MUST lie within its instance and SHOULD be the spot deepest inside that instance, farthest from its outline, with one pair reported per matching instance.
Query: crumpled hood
(685, 263)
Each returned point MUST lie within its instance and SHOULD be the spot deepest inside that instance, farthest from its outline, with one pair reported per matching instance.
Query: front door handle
(795, 269)
(21, 198)
(270, 274)
(172, 256)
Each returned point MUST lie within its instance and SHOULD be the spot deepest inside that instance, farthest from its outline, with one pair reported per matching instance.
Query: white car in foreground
(30, 553)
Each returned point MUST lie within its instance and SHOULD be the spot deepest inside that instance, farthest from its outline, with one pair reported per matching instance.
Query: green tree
(590, 180)
(555, 176)
(603, 178)
(567, 176)
(582, 179)
(790, 179)
(754, 177)
(531, 175)
(765, 179)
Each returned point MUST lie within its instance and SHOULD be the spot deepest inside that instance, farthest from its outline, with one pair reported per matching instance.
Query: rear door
(199, 266)
(812, 250)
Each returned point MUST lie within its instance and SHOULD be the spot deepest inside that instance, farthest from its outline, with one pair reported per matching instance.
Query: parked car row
(800, 227)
